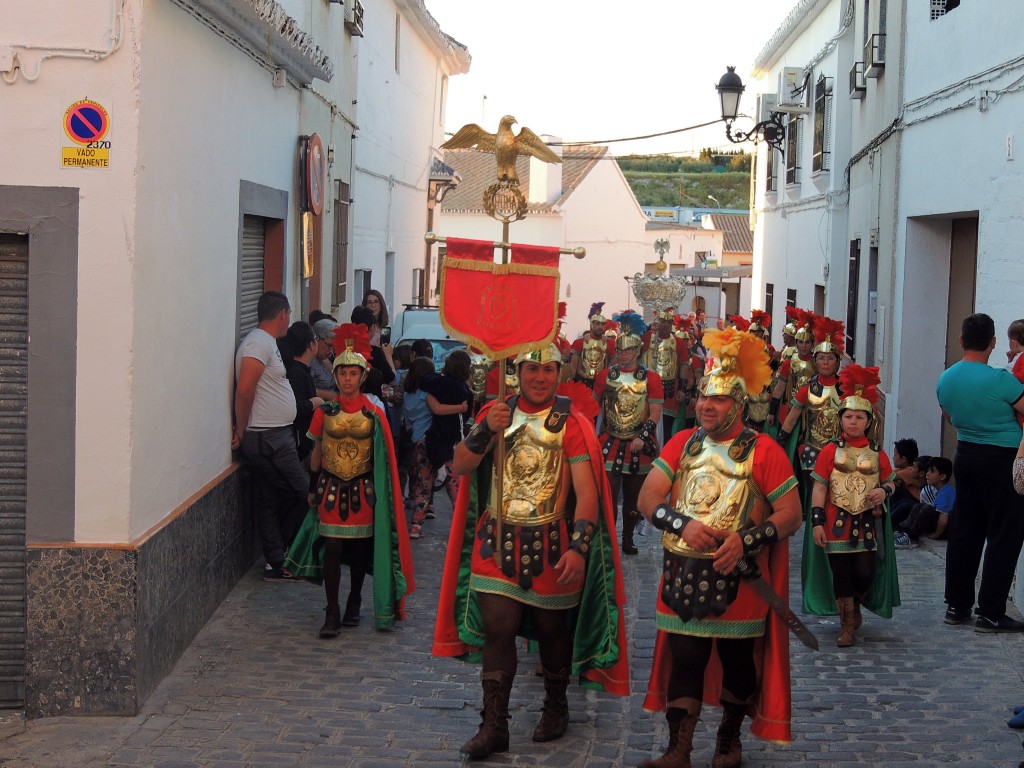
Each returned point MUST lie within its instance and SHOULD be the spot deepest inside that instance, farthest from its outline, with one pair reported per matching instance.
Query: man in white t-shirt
(264, 412)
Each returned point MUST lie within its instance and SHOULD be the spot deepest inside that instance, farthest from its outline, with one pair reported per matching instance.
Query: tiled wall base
(106, 624)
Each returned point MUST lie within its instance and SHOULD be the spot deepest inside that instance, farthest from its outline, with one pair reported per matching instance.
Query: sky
(594, 71)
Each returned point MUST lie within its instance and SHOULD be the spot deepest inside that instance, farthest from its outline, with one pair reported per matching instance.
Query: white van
(424, 322)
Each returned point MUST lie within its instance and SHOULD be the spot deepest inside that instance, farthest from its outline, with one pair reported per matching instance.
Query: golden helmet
(549, 354)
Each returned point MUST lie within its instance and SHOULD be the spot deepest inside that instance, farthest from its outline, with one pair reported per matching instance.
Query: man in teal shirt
(980, 402)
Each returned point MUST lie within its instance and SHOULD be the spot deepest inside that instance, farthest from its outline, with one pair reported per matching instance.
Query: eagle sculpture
(505, 145)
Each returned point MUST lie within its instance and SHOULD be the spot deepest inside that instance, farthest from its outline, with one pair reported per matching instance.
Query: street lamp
(730, 87)
(712, 197)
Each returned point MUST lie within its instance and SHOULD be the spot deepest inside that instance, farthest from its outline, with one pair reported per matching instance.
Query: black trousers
(988, 515)
(282, 488)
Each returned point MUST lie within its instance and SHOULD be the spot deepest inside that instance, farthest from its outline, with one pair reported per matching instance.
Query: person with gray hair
(320, 366)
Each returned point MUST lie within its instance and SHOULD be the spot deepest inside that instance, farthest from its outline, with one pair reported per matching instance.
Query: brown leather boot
(728, 753)
(492, 736)
(858, 617)
(682, 716)
(554, 719)
(846, 622)
(629, 521)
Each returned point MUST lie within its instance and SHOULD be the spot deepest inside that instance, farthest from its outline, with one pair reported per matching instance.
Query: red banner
(501, 309)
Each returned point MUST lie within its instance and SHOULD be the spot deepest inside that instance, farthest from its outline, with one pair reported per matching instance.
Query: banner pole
(499, 448)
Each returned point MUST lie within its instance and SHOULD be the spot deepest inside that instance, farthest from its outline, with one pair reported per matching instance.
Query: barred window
(942, 7)
(822, 124)
(793, 147)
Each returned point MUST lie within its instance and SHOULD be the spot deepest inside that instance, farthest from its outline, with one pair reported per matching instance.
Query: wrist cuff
(817, 516)
(582, 535)
(667, 519)
(754, 539)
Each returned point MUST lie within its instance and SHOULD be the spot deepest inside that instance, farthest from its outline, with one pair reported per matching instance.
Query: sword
(776, 603)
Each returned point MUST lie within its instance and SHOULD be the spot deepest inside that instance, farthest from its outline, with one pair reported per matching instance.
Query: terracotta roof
(478, 172)
(736, 234)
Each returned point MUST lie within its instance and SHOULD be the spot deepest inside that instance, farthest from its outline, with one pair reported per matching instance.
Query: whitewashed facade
(405, 62)
(134, 286)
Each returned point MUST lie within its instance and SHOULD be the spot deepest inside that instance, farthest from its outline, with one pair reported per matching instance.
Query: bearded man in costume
(533, 556)
(731, 495)
(667, 355)
(356, 512)
(630, 396)
(853, 481)
(592, 352)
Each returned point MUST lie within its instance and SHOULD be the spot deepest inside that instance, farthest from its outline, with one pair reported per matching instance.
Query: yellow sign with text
(83, 157)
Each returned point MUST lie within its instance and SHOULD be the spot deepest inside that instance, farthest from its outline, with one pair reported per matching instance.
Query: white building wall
(400, 129)
(190, 117)
(801, 228)
(955, 164)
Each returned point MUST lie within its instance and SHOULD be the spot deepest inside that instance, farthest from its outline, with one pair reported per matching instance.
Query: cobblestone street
(258, 688)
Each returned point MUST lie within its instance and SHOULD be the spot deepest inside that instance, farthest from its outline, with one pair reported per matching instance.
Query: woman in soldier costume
(853, 481)
(357, 515)
(543, 566)
(592, 352)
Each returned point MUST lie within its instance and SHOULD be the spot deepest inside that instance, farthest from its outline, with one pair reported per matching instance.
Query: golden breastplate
(594, 357)
(800, 372)
(625, 404)
(479, 367)
(663, 358)
(855, 471)
(348, 444)
(821, 416)
(716, 489)
(757, 405)
(534, 481)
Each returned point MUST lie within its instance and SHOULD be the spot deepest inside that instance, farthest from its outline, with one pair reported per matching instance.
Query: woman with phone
(373, 300)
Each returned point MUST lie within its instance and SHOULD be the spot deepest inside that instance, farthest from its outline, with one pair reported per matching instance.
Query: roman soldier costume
(626, 396)
(728, 486)
(820, 396)
(506, 542)
(849, 469)
(592, 351)
(665, 354)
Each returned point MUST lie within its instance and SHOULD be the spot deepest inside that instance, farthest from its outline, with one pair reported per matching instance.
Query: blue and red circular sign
(86, 122)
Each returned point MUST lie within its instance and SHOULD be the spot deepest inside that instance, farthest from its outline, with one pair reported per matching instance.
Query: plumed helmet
(351, 346)
(741, 365)
(859, 386)
(549, 354)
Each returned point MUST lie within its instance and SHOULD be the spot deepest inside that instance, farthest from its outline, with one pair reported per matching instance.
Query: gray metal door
(13, 475)
(251, 285)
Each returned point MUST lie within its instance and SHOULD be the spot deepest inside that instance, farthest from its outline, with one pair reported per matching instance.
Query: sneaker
(1002, 624)
(430, 514)
(415, 532)
(956, 616)
(641, 527)
(901, 540)
(278, 574)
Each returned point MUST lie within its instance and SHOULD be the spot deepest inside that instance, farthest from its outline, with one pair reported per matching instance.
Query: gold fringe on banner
(473, 341)
(494, 268)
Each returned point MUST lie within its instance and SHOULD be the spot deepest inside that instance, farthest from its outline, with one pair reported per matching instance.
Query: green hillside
(687, 181)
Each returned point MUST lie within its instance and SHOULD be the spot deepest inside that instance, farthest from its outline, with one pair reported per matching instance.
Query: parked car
(424, 322)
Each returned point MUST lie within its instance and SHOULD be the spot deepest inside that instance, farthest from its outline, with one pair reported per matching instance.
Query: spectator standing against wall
(989, 515)
(264, 413)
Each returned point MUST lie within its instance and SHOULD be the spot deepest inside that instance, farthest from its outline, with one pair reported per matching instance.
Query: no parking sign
(86, 123)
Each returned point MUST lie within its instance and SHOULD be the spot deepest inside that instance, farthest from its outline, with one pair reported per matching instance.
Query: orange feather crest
(741, 354)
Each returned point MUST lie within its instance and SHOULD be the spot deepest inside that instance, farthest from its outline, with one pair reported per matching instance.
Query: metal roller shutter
(13, 474)
(253, 243)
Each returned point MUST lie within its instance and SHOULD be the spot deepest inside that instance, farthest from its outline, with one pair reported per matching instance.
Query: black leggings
(630, 486)
(502, 617)
(852, 573)
(690, 655)
(357, 552)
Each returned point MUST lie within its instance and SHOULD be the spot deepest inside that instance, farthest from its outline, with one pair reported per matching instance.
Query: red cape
(613, 674)
(772, 711)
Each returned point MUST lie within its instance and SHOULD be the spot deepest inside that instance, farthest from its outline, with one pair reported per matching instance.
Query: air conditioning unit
(766, 104)
(874, 55)
(792, 94)
(354, 18)
(858, 86)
